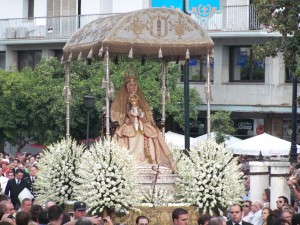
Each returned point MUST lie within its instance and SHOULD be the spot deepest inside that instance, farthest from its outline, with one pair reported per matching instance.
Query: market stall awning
(157, 32)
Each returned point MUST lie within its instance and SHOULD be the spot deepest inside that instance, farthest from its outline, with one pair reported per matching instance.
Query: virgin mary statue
(137, 130)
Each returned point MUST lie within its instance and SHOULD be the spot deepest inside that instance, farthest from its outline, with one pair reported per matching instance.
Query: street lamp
(89, 103)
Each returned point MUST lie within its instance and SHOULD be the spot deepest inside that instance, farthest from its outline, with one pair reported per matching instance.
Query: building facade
(259, 94)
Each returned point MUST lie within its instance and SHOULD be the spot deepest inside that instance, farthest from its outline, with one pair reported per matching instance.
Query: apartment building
(259, 94)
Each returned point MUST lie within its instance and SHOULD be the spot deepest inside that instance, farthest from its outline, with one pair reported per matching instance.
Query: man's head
(247, 207)
(43, 217)
(21, 166)
(19, 174)
(22, 218)
(55, 213)
(142, 220)
(83, 221)
(11, 175)
(180, 217)
(79, 210)
(281, 201)
(256, 206)
(15, 163)
(26, 205)
(32, 159)
(236, 213)
(7, 207)
(204, 219)
(32, 171)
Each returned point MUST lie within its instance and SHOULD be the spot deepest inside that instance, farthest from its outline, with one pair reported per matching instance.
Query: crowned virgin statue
(137, 130)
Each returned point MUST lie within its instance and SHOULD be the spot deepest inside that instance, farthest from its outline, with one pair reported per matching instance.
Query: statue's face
(132, 87)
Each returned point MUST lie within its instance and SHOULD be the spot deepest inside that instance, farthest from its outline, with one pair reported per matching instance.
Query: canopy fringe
(160, 55)
(187, 54)
(90, 55)
(79, 56)
(130, 55)
(70, 57)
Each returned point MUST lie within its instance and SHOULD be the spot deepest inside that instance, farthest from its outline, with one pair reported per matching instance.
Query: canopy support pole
(107, 81)
(208, 96)
(67, 96)
(164, 91)
(186, 105)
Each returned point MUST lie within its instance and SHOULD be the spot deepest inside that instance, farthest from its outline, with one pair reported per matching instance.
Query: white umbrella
(230, 141)
(267, 144)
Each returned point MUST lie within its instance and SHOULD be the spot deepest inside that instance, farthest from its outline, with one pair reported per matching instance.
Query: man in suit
(236, 213)
(31, 178)
(15, 186)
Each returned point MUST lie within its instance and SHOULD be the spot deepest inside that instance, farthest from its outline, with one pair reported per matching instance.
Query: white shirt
(3, 183)
(249, 217)
(257, 218)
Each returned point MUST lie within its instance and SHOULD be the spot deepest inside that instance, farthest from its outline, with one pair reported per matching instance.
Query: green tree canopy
(222, 125)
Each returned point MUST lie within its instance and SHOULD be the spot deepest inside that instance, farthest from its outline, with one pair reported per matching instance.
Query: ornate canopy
(158, 32)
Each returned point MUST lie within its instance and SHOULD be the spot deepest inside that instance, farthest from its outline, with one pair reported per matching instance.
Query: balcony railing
(232, 18)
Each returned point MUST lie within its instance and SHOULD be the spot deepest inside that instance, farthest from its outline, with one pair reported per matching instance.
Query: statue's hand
(142, 114)
(127, 121)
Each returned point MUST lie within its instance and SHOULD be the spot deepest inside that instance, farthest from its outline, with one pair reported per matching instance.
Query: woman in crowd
(266, 211)
(266, 197)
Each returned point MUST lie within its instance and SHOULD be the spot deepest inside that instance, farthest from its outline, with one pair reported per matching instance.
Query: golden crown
(131, 75)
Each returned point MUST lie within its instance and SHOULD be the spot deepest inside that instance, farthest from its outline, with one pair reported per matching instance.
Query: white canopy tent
(230, 141)
(178, 140)
(267, 144)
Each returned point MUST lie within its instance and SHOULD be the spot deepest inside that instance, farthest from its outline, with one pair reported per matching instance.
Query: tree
(222, 125)
(281, 16)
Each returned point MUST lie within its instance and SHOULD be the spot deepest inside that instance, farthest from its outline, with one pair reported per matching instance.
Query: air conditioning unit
(22, 32)
(10, 33)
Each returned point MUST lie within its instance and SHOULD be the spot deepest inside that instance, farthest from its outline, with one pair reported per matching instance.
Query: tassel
(100, 51)
(130, 55)
(187, 54)
(90, 55)
(62, 60)
(168, 97)
(160, 53)
(70, 57)
(79, 56)
(103, 85)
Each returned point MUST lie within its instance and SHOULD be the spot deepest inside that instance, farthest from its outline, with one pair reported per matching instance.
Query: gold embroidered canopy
(153, 31)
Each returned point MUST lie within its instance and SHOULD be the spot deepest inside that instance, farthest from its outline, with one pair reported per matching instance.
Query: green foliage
(222, 125)
(281, 16)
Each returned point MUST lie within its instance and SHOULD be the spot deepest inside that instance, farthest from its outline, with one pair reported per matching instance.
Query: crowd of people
(16, 174)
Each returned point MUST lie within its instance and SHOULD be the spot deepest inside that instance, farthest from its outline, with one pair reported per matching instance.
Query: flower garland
(209, 177)
(107, 178)
(56, 177)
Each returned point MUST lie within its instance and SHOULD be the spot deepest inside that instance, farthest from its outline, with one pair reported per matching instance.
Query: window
(30, 9)
(243, 66)
(198, 69)
(2, 60)
(28, 59)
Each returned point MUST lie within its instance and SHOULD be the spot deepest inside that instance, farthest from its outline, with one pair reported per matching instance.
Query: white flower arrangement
(208, 177)
(158, 196)
(56, 177)
(107, 178)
